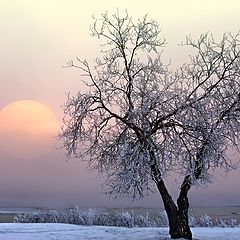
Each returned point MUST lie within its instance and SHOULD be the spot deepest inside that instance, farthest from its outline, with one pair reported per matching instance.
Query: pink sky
(38, 38)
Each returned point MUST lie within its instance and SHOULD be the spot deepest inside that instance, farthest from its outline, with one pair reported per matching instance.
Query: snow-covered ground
(56, 231)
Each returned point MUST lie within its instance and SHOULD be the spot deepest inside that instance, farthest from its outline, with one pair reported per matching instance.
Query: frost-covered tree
(138, 121)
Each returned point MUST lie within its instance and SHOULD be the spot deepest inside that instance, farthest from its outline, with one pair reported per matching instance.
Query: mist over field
(38, 182)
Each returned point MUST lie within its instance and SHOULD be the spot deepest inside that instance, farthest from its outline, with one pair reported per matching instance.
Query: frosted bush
(206, 221)
(191, 219)
(122, 219)
(162, 220)
(233, 223)
(143, 221)
(226, 223)
(91, 217)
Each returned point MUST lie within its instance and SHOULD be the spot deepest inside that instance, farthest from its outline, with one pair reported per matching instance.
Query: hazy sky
(37, 38)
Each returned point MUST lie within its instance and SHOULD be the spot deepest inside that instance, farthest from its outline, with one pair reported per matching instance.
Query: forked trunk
(177, 214)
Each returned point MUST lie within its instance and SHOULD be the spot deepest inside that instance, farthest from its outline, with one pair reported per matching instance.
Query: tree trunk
(177, 215)
(181, 229)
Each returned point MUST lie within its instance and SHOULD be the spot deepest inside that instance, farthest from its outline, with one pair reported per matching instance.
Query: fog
(50, 181)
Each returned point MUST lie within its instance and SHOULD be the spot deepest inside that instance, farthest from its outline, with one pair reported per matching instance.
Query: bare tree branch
(139, 121)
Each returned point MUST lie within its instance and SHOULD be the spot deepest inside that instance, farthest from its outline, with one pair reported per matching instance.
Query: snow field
(57, 231)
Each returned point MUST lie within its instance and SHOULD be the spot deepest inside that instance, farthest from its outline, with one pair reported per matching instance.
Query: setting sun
(28, 116)
(26, 128)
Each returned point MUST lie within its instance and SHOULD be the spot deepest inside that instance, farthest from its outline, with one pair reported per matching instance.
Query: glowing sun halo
(28, 116)
(25, 125)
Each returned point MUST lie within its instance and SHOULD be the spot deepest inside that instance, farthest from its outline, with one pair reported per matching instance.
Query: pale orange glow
(27, 129)
(27, 116)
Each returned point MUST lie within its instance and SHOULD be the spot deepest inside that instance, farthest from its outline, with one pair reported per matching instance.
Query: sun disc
(28, 116)
(26, 127)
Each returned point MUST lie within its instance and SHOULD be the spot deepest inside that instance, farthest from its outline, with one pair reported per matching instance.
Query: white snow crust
(57, 231)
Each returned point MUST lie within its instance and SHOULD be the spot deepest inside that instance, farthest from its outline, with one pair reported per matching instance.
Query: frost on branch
(138, 121)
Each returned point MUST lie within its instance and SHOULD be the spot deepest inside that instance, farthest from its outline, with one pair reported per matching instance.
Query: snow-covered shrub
(226, 223)
(123, 219)
(143, 221)
(38, 216)
(232, 223)
(205, 221)
(81, 217)
(162, 219)
(191, 219)
(90, 217)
